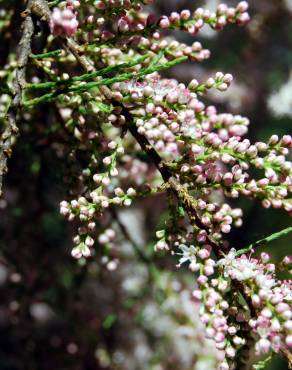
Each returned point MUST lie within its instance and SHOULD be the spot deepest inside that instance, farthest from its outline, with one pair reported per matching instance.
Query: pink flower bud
(197, 294)
(265, 257)
(185, 14)
(288, 341)
(202, 279)
(164, 22)
(174, 17)
(243, 19)
(264, 346)
(242, 6)
(76, 253)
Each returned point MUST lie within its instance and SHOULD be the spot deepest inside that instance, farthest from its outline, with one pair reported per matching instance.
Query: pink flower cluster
(271, 298)
(192, 23)
(64, 22)
(222, 321)
(139, 30)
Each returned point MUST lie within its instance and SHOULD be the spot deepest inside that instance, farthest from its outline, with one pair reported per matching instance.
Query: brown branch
(180, 191)
(40, 9)
(10, 132)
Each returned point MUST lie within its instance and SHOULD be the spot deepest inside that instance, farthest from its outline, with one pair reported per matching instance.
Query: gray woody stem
(40, 9)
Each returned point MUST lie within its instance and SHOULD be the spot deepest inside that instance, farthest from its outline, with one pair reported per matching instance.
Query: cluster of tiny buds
(164, 123)
(143, 29)
(63, 22)
(273, 188)
(192, 23)
(220, 82)
(173, 109)
(87, 210)
(174, 49)
(271, 299)
(84, 242)
(219, 218)
(215, 315)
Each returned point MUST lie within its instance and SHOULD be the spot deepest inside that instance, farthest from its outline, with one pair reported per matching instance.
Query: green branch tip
(265, 240)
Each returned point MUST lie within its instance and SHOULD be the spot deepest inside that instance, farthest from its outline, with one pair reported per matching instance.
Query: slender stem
(87, 76)
(105, 82)
(265, 240)
(54, 3)
(139, 252)
(47, 55)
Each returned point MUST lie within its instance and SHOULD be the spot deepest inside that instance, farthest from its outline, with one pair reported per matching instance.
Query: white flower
(264, 282)
(188, 254)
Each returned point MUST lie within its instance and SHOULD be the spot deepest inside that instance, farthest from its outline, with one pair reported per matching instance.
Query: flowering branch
(189, 151)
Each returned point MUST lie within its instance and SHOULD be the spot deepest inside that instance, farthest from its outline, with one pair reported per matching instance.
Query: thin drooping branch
(140, 253)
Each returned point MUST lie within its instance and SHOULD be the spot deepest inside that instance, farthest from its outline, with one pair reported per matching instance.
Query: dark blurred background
(58, 314)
